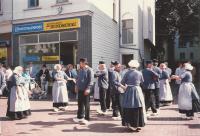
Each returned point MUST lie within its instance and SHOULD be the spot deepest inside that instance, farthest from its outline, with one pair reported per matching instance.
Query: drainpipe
(119, 23)
(12, 36)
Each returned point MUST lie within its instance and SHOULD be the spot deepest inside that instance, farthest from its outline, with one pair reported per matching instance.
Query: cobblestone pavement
(45, 122)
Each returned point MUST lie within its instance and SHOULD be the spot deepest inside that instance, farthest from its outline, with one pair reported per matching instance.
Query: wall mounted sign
(47, 26)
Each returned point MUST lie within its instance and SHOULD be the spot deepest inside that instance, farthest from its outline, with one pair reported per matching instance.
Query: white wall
(47, 8)
(6, 16)
(105, 38)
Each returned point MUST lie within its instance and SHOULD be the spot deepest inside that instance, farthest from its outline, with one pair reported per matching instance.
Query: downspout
(12, 36)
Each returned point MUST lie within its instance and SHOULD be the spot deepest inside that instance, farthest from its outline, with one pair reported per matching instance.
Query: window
(61, 1)
(191, 55)
(182, 56)
(114, 11)
(127, 31)
(33, 3)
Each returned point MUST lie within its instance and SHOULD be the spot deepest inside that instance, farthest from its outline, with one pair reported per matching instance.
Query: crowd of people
(128, 92)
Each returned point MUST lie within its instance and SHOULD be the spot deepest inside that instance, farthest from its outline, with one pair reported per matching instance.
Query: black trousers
(150, 100)
(83, 106)
(102, 94)
(117, 99)
(108, 97)
(157, 99)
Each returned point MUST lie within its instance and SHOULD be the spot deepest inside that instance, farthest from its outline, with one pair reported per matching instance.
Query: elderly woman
(165, 89)
(188, 98)
(19, 103)
(59, 90)
(134, 114)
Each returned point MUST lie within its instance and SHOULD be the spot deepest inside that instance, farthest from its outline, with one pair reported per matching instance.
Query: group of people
(131, 91)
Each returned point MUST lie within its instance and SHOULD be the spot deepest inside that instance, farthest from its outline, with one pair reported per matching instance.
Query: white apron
(165, 91)
(185, 96)
(26, 98)
(59, 92)
(16, 104)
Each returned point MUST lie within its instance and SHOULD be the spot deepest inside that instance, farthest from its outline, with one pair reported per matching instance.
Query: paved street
(44, 122)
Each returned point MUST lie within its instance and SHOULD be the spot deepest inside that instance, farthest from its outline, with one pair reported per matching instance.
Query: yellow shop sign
(62, 24)
(50, 58)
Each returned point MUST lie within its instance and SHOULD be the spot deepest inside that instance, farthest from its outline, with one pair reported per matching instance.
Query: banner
(62, 24)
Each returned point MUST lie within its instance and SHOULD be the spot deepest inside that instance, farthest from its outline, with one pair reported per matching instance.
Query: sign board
(26, 28)
(62, 24)
(48, 26)
(31, 58)
(50, 58)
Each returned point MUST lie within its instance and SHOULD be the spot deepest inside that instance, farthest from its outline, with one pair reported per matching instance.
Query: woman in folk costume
(134, 113)
(59, 90)
(19, 105)
(188, 98)
(165, 89)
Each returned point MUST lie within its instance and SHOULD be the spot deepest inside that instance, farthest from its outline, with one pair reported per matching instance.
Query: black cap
(84, 60)
(112, 62)
(149, 62)
(115, 63)
(101, 62)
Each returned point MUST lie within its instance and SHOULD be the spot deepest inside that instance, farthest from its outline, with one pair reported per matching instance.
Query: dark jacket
(102, 78)
(85, 79)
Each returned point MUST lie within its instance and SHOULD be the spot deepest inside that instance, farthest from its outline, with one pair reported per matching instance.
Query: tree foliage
(177, 15)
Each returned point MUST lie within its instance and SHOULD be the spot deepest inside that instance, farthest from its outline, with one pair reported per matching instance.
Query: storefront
(5, 48)
(57, 41)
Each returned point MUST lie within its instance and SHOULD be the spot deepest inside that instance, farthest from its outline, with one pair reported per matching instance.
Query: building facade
(5, 31)
(137, 29)
(62, 31)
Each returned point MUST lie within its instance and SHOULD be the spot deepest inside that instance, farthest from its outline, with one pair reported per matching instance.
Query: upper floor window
(61, 1)
(33, 3)
(127, 31)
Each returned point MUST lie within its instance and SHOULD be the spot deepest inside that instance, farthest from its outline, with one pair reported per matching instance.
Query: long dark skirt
(61, 104)
(133, 117)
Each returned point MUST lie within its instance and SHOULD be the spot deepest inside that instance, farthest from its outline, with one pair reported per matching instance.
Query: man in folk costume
(117, 94)
(157, 83)
(83, 87)
(110, 87)
(102, 75)
(149, 86)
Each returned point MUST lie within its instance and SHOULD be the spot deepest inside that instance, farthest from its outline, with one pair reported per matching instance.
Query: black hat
(115, 63)
(84, 60)
(149, 62)
(101, 62)
(155, 60)
(112, 62)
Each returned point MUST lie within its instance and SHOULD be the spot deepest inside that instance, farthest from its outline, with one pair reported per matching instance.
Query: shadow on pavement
(166, 119)
(194, 126)
(100, 128)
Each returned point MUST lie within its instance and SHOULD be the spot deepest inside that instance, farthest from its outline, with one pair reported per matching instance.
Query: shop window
(29, 39)
(69, 36)
(61, 1)
(182, 56)
(127, 31)
(33, 3)
(49, 37)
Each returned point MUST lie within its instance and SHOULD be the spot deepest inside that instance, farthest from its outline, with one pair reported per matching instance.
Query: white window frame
(127, 44)
(29, 4)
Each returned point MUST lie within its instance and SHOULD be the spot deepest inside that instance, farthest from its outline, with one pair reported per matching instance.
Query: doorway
(126, 58)
(68, 53)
